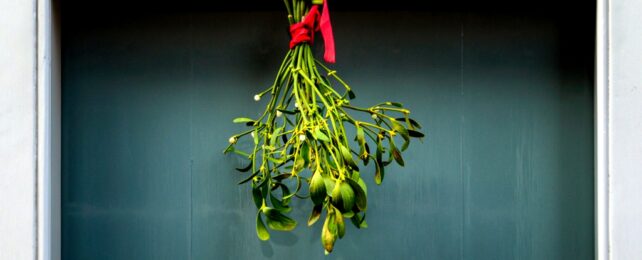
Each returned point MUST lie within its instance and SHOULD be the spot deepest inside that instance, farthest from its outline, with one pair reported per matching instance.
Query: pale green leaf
(261, 231)
(239, 120)
(277, 221)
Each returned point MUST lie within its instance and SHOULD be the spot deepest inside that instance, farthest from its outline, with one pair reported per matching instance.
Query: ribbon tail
(326, 31)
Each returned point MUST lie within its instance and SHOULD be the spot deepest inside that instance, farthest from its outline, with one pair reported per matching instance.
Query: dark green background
(506, 100)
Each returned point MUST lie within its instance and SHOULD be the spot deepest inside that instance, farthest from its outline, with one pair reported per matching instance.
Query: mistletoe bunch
(304, 128)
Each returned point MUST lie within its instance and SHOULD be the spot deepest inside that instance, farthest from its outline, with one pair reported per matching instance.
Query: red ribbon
(314, 21)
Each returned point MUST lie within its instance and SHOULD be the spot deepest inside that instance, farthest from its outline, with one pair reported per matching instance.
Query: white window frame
(48, 178)
(602, 129)
(48, 233)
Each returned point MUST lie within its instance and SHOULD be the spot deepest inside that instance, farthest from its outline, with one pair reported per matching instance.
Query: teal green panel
(126, 150)
(526, 131)
(506, 170)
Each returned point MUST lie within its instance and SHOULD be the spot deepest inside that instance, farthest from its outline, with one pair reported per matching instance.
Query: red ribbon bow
(304, 31)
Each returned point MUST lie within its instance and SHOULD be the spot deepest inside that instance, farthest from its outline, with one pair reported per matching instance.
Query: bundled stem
(304, 127)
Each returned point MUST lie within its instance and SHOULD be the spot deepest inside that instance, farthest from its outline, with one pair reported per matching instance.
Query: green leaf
(351, 94)
(317, 189)
(228, 149)
(412, 122)
(239, 120)
(363, 186)
(364, 224)
(406, 143)
(319, 135)
(285, 191)
(261, 231)
(379, 167)
(379, 172)
(249, 178)
(396, 104)
(341, 226)
(257, 196)
(359, 221)
(395, 153)
(284, 111)
(329, 232)
(275, 134)
(281, 177)
(389, 161)
(366, 159)
(298, 165)
(287, 120)
(356, 220)
(347, 157)
(256, 137)
(415, 134)
(362, 144)
(315, 215)
(279, 205)
(305, 154)
(329, 185)
(379, 152)
(343, 196)
(246, 168)
(277, 221)
(360, 135)
(354, 175)
(399, 128)
(361, 200)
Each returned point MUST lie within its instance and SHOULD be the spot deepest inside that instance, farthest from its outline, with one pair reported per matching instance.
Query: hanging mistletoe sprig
(304, 127)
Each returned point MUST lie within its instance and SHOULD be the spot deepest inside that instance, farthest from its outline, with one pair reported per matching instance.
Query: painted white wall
(17, 129)
(626, 129)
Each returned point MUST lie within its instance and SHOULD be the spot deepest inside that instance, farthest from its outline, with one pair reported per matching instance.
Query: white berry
(279, 113)
(232, 140)
(302, 137)
(257, 97)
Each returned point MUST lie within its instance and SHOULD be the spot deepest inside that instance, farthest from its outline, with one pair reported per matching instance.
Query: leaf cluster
(301, 139)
